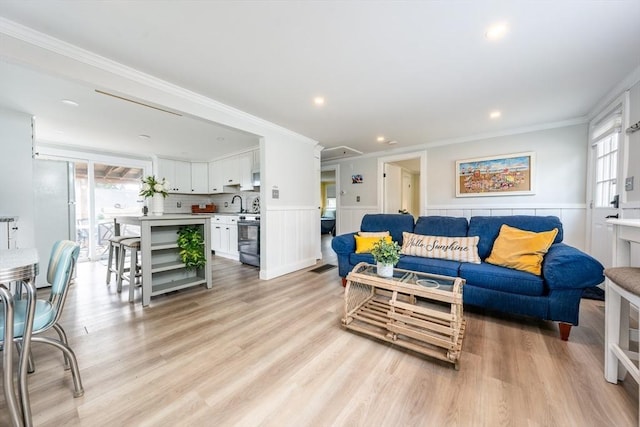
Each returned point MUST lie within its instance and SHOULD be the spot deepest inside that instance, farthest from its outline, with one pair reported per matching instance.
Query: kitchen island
(162, 269)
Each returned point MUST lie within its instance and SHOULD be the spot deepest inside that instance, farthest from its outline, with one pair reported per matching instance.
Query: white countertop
(16, 258)
(625, 222)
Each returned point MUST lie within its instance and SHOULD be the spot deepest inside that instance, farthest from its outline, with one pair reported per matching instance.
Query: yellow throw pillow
(462, 249)
(521, 249)
(365, 244)
(377, 234)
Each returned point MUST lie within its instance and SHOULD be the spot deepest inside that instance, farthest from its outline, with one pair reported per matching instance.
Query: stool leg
(613, 318)
(123, 255)
(109, 260)
(133, 270)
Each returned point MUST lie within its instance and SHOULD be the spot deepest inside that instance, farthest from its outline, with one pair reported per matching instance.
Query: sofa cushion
(502, 279)
(488, 228)
(521, 249)
(364, 245)
(394, 223)
(373, 233)
(441, 226)
(463, 249)
(354, 259)
(429, 265)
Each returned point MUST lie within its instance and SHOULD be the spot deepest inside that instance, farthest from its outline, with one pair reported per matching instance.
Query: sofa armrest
(565, 267)
(344, 244)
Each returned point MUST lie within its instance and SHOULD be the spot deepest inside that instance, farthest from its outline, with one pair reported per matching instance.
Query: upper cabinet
(177, 172)
(227, 175)
(216, 177)
(200, 178)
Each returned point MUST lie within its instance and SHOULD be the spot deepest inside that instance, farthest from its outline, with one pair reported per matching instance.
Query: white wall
(561, 169)
(633, 147)
(16, 174)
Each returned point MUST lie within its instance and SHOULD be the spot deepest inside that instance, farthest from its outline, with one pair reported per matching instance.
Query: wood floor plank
(274, 353)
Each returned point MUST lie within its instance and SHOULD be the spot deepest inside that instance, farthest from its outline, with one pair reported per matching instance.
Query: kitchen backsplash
(181, 203)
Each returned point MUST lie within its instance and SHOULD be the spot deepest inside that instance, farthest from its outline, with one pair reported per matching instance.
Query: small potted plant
(386, 254)
(191, 244)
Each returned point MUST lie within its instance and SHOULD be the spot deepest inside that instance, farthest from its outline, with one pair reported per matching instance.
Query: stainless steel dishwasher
(249, 239)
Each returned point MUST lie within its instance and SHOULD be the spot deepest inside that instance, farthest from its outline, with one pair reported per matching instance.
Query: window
(605, 142)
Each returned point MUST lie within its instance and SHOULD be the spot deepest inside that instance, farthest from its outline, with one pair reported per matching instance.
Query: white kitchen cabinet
(256, 160)
(231, 170)
(200, 178)
(216, 176)
(224, 236)
(245, 166)
(177, 173)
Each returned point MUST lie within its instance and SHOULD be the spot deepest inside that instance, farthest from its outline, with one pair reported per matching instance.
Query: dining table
(18, 266)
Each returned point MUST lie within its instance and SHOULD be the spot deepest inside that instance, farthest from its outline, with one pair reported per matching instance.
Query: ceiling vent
(336, 153)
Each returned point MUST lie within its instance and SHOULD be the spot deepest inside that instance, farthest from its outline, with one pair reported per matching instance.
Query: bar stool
(621, 283)
(114, 255)
(134, 270)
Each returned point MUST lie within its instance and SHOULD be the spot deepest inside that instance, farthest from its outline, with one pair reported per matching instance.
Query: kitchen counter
(162, 269)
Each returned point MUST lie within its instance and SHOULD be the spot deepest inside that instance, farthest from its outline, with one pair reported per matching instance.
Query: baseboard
(281, 270)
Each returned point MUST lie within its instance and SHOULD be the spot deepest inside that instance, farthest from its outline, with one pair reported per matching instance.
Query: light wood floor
(272, 353)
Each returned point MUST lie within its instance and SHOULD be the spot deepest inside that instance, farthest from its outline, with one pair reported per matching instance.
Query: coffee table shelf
(426, 320)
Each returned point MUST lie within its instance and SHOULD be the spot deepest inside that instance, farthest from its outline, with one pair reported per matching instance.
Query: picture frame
(357, 179)
(503, 175)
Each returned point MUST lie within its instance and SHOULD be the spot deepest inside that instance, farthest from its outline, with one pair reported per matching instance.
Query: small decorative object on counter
(157, 190)
(386, 254)
(208, 208)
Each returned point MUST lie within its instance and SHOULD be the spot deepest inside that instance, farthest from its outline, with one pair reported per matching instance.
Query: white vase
(157, 204)
(385, 270)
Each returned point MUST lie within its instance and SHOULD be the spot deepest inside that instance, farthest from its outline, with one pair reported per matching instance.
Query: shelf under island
(162, 269)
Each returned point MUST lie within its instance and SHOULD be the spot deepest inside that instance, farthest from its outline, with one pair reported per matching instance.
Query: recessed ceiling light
(318, 100)
(495, 114)
(70, 102)
(380, 139)
(143, 136)
(496, 31)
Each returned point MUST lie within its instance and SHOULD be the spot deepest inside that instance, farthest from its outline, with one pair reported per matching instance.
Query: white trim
(280, 208)
(86, 57)
(511, 206)
(286, 269)
(360, 208)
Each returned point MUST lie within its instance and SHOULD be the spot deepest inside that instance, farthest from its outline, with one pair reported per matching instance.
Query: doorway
(402, 184)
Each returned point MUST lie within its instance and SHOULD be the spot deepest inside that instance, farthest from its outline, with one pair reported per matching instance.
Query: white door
(54, 209)
(392, 188)
(605, 192)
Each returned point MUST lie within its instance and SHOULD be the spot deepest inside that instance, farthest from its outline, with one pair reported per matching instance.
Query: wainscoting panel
(293, 238)
(573, 217)
(351, 217)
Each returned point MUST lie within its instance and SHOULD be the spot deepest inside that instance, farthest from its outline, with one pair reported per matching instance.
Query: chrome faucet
(239, 197)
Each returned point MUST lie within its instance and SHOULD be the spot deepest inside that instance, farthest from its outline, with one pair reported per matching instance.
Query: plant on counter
(191, 244)
(152, 185)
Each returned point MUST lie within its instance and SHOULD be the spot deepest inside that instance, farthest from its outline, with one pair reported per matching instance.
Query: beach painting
(505, 175)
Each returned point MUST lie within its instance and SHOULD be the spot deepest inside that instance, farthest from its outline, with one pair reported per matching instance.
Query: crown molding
(60, 47)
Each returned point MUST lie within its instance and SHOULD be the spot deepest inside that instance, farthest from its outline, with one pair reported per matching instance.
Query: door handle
(611, 216)
(615, 202)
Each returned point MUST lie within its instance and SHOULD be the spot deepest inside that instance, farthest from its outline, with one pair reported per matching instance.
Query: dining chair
(64, 256)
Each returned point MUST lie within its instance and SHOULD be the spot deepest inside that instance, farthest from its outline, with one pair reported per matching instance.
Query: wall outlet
(275, 194)
(179, 204)
(628, 183)
(226, 204)
(357, 198)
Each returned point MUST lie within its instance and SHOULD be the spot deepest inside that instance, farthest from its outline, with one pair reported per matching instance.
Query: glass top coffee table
(419, 311)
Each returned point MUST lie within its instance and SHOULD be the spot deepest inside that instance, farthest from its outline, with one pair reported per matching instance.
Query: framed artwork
(505, 175)
(356, 179)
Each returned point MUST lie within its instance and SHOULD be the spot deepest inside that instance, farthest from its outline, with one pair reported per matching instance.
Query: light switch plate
(275, 194)
(628, 183)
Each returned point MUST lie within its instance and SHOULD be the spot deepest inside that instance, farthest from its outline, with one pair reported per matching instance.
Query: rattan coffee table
(418, 311)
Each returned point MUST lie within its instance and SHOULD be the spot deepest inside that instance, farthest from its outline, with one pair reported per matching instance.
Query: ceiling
(412, 72)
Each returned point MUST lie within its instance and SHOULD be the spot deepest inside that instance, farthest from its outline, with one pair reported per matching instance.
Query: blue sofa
(555, 295)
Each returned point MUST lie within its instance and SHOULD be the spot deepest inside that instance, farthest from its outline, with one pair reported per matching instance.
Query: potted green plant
(386, 254)
(191, 244)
